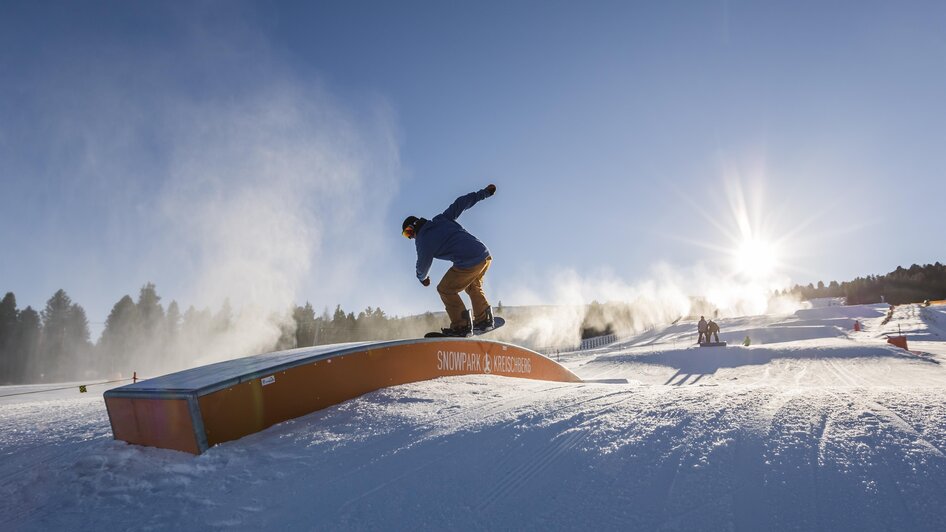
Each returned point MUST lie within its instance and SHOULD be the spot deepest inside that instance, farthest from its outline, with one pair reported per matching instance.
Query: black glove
(426, 281)
(490, 190)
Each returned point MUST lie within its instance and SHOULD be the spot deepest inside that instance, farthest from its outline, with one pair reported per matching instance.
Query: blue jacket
(443, 238)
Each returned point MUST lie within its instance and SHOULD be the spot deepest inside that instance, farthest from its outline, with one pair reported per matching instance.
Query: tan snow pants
(469, 280)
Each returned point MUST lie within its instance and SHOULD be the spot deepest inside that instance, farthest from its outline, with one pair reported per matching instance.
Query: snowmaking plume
(626, 308)
(254, 191)
(213, 170)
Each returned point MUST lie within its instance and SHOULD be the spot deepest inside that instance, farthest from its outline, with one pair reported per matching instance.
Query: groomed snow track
(195, 409)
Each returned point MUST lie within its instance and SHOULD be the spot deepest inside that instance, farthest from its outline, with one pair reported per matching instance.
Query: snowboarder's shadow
(684, 377)
(707, 361)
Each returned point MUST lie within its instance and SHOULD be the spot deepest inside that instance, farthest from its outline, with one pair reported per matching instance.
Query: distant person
(701, 328)
(712, 329)
(443, 238)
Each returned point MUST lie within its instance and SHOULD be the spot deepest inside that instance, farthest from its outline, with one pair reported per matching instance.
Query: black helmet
(411, 226)
(410, 220)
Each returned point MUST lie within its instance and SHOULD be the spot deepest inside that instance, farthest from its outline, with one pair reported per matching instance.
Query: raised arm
(465, 202)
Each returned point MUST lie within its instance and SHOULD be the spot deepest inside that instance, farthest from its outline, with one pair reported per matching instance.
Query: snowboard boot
(464, 329)
(487, 323)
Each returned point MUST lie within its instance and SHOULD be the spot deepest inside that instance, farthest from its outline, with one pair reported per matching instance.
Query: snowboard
(497, 323)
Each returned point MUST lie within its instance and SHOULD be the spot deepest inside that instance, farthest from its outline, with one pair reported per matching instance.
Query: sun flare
(755, 258)
(754, 243)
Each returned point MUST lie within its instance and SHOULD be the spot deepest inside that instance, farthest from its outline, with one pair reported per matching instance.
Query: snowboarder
(701, 328)
(443, 238)
(712, 330)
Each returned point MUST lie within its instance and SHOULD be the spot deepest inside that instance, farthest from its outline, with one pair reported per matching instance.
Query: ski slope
(813, 427)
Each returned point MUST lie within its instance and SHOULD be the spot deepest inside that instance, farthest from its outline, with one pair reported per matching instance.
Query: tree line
(903, 285)
(54, 345)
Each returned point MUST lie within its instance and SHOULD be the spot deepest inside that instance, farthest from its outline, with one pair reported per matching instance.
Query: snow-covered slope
(812, 427)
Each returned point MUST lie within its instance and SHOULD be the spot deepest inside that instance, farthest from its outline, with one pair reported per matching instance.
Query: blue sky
(618, 133)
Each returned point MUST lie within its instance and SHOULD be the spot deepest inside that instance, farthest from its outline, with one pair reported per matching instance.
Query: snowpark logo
(475, 363)
(458, 361)
(504, 364)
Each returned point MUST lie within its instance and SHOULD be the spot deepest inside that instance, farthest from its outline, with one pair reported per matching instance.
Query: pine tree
(305, 325)
(53, 339)
(150, 312)
(119, 342)
(79, 343)
(78, 325)
(28, 334)
(151, 344)
(173, 321)
(337, 329)
(65, 338)
(8, 347)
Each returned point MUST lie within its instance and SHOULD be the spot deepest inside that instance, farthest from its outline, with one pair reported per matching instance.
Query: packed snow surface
(812, 427)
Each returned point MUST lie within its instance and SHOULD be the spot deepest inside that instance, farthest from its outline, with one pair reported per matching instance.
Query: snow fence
(195, 409)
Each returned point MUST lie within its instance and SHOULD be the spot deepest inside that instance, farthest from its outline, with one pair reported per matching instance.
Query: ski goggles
(408, 232)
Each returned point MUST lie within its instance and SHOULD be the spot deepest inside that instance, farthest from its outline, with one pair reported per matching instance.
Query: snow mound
(820, 428)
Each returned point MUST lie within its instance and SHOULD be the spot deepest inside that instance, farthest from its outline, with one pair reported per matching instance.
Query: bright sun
(755, 258)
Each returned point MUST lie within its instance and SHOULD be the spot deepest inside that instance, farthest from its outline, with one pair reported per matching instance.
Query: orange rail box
(195, 409)
(899, 341)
